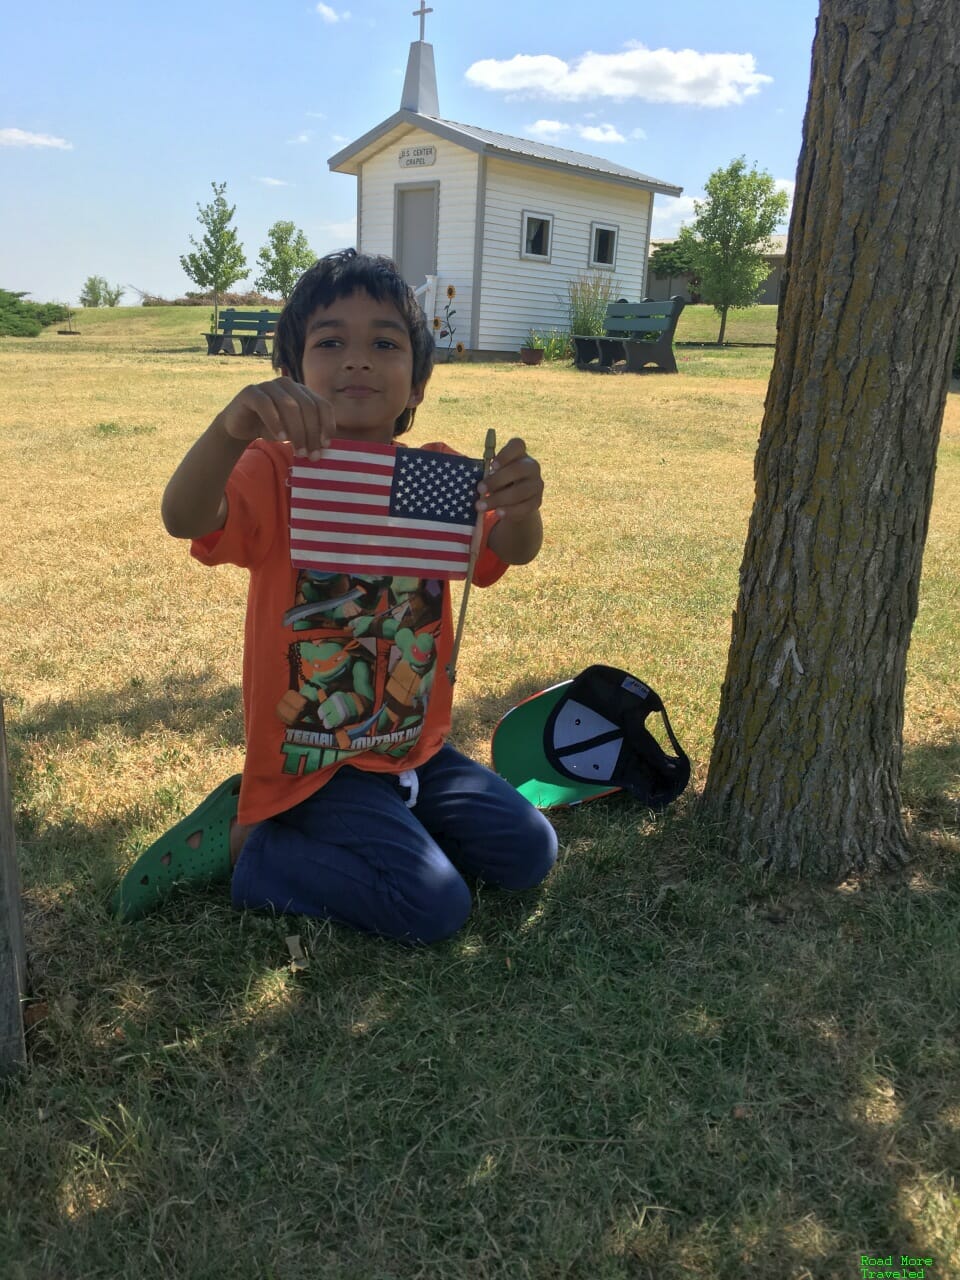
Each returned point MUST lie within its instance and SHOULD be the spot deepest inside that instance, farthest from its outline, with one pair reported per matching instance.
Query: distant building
(507, 221)
(770, 291)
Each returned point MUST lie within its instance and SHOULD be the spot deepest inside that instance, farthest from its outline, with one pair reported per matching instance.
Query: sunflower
(460, 348)
(451, 291)
(436, 322)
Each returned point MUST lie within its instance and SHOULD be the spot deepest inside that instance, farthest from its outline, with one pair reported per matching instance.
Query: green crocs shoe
(195, 852)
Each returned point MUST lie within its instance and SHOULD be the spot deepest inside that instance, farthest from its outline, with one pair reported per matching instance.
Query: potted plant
(533, 351)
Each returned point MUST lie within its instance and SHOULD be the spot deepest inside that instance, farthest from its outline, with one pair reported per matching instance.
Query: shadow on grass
(931, 786)
(659, 1064)
(478, 717)
(197, 703)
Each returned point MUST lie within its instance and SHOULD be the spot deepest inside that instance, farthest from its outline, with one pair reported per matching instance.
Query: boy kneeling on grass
(350, 807)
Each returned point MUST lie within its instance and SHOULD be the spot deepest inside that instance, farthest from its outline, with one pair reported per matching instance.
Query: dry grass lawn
(662, 1066)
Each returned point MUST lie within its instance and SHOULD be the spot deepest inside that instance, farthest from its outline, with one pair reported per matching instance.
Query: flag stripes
(382, 510)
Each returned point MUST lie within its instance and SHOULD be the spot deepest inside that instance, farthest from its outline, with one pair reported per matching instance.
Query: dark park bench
(250, 328)
(639, 332)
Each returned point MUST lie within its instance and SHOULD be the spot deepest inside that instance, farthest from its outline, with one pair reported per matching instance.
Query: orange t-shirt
(337, 669)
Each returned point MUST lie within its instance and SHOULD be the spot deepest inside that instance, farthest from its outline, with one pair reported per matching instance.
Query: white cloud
(638, 134)
(601, 133)
(20, 138)
(330, 15)
(273, 182)
(789, 186)
(551, 130)
(300, 139)
(653, 75)
(546, 128)
(670, 213)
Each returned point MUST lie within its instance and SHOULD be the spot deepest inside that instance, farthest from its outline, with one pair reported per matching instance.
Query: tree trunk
(723, 326)
(805, 770)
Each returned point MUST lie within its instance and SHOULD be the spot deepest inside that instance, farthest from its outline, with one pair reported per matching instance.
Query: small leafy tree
(730, 235)
(675, 258)
(97, 293)
(219, 261)
(283, 259)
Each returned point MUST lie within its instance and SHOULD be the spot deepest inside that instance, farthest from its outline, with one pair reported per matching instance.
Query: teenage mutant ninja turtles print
(361, 668)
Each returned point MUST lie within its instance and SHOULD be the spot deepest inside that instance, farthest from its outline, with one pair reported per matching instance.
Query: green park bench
(639, 332)
(250, 328)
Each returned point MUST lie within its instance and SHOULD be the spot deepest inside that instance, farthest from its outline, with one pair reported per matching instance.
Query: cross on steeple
(421, 13)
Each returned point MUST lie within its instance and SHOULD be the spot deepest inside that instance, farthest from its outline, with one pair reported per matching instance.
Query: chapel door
(415, 248)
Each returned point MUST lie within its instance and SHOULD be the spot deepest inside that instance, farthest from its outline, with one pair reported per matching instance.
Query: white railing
(426, 295)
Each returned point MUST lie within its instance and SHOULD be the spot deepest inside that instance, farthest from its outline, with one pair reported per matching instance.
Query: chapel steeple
(420, 84)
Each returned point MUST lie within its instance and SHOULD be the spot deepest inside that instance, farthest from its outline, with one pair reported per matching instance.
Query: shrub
(19, 319)
(556, 345)
(194, 299)
(588, 299)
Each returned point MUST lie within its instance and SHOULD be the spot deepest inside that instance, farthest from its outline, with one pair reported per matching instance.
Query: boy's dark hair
(338, 275)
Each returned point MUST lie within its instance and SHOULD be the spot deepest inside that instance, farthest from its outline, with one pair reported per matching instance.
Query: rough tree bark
(806, 763)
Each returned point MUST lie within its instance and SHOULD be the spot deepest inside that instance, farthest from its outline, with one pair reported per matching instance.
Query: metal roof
(488, 142)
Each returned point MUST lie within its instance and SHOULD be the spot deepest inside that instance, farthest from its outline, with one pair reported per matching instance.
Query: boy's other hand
(280, 410)
(513, 485)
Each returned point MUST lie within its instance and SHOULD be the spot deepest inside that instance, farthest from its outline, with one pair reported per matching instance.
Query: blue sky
(115, 116)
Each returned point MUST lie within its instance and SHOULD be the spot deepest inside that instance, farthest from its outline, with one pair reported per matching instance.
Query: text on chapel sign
(417, 157)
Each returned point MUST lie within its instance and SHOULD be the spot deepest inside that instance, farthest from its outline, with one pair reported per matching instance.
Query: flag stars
(439, 488)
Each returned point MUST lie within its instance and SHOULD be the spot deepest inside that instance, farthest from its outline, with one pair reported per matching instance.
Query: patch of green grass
(108, 430)
(658, 1065)
(701, 323)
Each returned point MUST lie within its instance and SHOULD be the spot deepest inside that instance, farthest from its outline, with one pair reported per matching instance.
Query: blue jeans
(355, 853)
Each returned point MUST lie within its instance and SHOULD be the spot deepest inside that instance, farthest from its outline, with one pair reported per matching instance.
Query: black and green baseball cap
(587, 738)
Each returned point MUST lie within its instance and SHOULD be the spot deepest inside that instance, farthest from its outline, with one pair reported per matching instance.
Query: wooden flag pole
(489, 450)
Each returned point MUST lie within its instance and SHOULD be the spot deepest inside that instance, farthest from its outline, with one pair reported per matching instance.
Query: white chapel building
(506, 221)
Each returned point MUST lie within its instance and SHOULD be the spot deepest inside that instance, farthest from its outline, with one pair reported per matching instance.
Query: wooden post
(13, 956)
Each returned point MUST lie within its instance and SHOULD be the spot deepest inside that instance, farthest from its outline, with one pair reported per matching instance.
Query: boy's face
(357, 355)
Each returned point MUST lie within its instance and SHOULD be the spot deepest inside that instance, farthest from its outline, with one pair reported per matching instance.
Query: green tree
(675, 258)
(730, 235)
(218, 262)
(283, 259)
(808, 747)
(21, 319)
(97, 293)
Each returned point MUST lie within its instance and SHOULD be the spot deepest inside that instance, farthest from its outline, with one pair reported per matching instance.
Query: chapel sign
(417, 157)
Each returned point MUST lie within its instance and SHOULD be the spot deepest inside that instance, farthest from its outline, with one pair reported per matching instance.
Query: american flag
(377, 509)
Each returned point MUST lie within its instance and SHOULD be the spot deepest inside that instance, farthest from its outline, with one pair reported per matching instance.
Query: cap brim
(519, 757)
